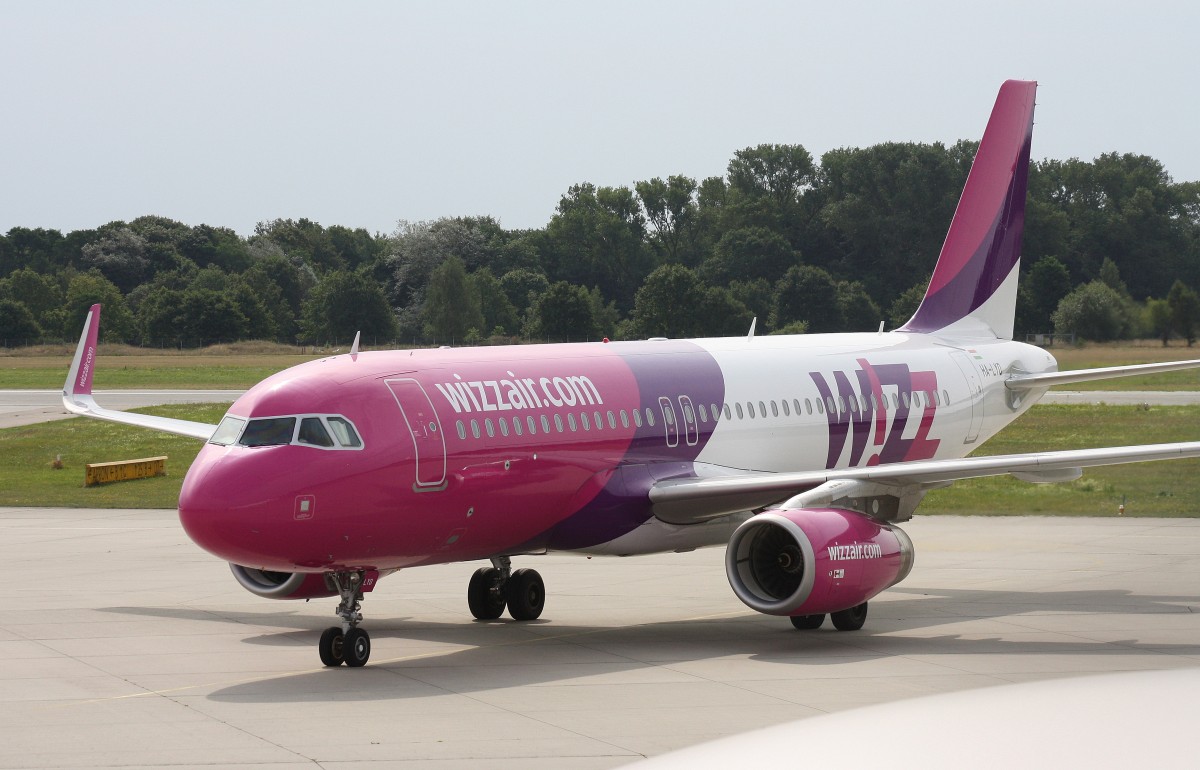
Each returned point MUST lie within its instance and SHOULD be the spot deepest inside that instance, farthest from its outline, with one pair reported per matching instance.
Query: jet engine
(283, 585)
(814, 560)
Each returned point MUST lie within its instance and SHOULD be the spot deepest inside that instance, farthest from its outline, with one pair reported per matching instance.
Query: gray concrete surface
(26, 407)
(122, 644)
(1123, 397)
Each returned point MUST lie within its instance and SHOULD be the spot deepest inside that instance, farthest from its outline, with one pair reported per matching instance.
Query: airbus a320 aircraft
(799, 453)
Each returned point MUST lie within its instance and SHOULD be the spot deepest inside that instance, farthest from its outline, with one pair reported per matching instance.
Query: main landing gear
(845, 620)
(498, 586)
(346, 643)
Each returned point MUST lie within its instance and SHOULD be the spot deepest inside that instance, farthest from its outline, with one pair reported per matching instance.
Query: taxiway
(122, 644)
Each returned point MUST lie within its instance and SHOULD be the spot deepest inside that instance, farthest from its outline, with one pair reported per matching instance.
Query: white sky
(364, 113)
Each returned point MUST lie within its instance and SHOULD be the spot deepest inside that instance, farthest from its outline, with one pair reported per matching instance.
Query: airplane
(799, 453)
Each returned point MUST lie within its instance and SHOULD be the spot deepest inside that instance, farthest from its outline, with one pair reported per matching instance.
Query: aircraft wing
(77, 391)
(1027, 381)
(691, 500)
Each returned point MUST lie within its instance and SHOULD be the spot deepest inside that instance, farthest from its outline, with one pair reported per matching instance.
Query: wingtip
(79, 378)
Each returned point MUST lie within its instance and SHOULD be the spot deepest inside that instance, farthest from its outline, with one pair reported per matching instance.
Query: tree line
(1111, 250)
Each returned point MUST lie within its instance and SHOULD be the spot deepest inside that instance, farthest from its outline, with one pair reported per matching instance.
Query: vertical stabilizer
(973, 292)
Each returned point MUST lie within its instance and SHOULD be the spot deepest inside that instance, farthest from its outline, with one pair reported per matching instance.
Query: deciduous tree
(1185, 311)
(451, 307)
(345, 302)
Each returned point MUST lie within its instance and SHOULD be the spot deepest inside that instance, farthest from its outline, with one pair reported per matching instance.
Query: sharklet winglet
(77, 390)
(79, 377)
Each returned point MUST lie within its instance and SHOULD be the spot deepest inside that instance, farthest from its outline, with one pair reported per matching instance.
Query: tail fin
(973, 292)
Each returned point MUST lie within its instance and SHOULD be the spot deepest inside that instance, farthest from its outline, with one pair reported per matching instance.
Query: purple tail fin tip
(973, 289)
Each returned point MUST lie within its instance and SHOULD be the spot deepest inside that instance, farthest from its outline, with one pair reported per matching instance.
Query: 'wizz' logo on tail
(861, 413)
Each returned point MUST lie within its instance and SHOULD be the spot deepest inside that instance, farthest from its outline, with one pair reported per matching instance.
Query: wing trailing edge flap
(693, 500)
(77, 391)
(1047, 379)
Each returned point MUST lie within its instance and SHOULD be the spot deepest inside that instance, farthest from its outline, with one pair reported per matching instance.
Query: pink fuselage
(425, 488)
(470, 453)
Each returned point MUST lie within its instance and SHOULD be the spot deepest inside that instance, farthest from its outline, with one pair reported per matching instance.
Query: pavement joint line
(390, 661)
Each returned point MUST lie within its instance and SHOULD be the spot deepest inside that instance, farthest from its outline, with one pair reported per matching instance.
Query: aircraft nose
(217, 507)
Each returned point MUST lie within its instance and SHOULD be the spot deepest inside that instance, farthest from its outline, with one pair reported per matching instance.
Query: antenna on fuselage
(354, 347)
(753, 323)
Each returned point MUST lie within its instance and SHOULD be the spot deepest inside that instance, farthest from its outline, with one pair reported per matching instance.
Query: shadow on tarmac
(498, 654)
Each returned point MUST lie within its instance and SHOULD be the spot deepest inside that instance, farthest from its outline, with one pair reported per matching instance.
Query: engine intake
(283, 585)
(814, 560)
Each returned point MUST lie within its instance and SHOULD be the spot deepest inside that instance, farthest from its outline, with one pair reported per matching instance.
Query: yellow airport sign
(123, 470)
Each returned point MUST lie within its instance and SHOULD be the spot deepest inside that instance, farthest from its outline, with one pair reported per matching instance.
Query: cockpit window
(345, 433)
(315, 430)
(312, 431)
(228, 431)
(271, 431)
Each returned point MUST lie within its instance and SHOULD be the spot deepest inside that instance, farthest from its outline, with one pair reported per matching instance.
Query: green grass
(1120, 354)
(27, 479)
(1168, 488)
(200, 376)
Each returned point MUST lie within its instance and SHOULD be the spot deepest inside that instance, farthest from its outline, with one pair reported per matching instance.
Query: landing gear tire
(526, 594)
(851, 619)
(332, 647)
(807, 622)
(484, 594)
(357, 647)
(346, 643)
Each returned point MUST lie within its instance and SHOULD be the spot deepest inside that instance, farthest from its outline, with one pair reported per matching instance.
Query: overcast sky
(365, 113)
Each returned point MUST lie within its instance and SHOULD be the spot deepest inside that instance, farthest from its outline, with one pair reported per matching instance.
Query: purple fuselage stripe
(680, 369)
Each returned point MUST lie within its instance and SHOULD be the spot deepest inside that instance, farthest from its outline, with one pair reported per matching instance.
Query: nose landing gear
(493, 588)
(346, 643)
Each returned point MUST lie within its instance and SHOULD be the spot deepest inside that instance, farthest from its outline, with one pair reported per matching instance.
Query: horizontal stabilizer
(1047, 379)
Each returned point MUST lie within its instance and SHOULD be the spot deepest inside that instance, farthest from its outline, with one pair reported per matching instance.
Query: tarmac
(123, 644)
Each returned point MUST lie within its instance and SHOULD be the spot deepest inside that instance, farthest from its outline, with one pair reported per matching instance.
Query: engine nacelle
(814, 560)
(283, 585)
